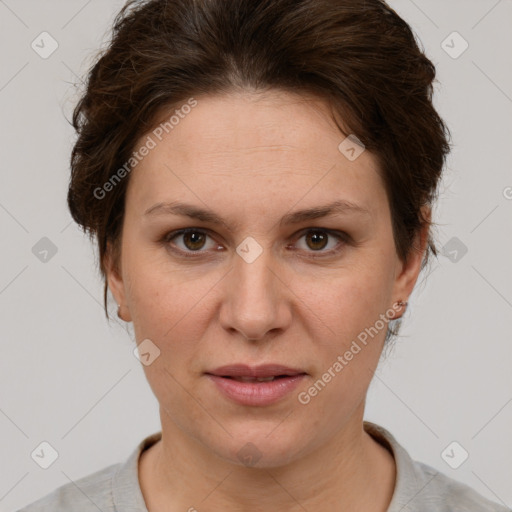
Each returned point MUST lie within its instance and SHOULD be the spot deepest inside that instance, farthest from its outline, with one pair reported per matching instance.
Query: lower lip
(256, 393)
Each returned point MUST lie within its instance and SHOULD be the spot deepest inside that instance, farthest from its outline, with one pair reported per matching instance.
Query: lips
(256, 386)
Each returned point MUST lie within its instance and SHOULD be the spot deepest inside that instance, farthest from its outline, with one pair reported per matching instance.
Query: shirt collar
(126, 492)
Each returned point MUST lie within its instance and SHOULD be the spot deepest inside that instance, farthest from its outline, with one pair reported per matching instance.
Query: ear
(112, 264)
(408, 272)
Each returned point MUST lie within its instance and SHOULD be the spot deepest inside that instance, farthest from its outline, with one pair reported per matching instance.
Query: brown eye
(194, 240)
(321, 242)
(189, 242)
(316, 239)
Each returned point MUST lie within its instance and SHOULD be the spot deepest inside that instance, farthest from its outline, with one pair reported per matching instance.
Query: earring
(401, 303)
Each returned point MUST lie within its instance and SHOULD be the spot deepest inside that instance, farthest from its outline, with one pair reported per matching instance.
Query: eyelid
(343, 238)
(168, 237)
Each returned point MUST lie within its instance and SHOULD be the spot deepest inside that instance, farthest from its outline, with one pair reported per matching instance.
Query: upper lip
(265, 370)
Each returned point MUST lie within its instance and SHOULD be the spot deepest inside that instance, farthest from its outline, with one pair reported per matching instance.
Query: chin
(260, 445)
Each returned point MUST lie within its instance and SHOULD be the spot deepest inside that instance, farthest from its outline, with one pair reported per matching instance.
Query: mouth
(261, 373)
(257, 379)
(256, 386)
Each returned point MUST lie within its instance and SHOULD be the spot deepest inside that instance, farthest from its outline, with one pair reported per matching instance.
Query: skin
(252, 158)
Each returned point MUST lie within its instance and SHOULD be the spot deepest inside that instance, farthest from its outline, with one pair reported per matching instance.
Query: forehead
(242, 145)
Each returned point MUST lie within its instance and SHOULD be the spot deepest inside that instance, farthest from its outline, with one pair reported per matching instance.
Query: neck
(351, 471)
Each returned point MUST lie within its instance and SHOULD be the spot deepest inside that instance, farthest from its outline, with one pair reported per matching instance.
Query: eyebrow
(342, 207)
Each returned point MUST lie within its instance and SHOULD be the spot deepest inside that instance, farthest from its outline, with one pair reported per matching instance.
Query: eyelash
(340, 235)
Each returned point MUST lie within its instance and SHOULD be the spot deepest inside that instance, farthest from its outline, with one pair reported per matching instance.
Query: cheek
(344, 302)
(347, 343)
(344, 319)
(161, 295)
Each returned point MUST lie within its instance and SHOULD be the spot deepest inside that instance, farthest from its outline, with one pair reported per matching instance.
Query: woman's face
(264, 286)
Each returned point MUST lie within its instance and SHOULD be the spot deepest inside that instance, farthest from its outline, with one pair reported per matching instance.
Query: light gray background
(68, 378)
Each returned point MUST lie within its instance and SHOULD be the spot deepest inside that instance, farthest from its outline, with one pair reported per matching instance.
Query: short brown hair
(357, 55)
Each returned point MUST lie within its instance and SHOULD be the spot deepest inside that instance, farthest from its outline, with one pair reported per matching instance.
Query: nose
(256, 299)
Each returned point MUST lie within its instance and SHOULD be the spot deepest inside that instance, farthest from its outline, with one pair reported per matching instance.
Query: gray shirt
(418, 488)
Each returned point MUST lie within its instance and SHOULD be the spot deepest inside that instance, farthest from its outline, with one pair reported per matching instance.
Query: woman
(259, 177)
